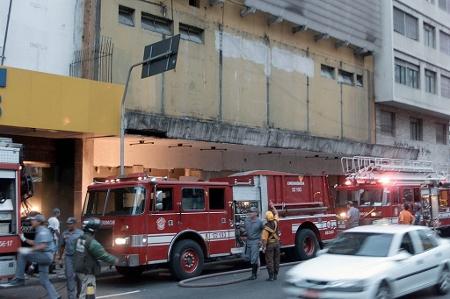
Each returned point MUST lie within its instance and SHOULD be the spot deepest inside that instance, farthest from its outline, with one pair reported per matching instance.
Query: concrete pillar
(84, 172)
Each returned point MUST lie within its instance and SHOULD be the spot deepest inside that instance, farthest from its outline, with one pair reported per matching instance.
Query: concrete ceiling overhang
(356, 22)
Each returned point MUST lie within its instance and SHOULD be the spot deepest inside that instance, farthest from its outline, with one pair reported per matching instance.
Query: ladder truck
(380, 186)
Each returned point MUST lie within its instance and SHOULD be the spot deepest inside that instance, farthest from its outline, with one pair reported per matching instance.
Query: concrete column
(84, 172)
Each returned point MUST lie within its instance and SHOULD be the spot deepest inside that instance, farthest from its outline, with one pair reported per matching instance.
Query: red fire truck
(380, 186)
(13, 188)
(150, 221)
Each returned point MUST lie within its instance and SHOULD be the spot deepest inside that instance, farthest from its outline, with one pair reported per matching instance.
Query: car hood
(331, 267)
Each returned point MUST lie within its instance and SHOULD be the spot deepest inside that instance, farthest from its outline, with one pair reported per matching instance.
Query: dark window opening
(216, 199)
(156, 24)
(195, 3)
(126, 15)
(191, 33)
(164, 199)
(193, 199)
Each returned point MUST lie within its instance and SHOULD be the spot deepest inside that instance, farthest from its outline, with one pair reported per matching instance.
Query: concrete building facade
(412, 77)
(256, 81)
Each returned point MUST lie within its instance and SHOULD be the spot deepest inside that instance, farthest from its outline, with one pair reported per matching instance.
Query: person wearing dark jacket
(88, 253)
(270, 239)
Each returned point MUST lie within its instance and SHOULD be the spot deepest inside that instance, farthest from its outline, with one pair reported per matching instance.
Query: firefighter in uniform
(271, 243)
(88, 253)
(252, 237)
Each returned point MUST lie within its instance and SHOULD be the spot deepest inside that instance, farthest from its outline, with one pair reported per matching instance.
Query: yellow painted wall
(51, 102)
(193, 90)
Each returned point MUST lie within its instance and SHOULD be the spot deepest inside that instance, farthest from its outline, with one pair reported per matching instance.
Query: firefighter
(68, 238)
(88, 253)
(405, 216)
(41, 252)
(252, 237)
(352, 215)
(271, 243)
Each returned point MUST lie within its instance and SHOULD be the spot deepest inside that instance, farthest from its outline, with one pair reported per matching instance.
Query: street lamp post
(163, 56)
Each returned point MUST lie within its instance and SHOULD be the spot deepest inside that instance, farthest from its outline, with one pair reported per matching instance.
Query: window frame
(416, 134)
(404, 29)
(191, 210)
(427, 29)
(342, 74)
(159, 21)
(391, 132)
(408, 234)
(126, 9)
(409, 73)
(444, 42)
(433, 75)
(445, 87)
(186, 29)
(443, 129)
(154, 210)
(224, 198)
(327, 71)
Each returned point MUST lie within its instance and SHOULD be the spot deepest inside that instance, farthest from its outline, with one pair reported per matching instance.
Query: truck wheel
(186, 260)
(306, 244)
(131, 272)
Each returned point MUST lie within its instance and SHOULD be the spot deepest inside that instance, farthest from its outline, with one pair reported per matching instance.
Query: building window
(191, 33)
(431, 1)
(387, 123)
(429, 35)
(327, 71)
(405, 24)
(444, 41)
(416, 128)
(126, 15)
(444, 5)
(156, 24)
(430, 81)
(406, 73)
(441, 133)
(359, 80)
(445, 87)
(346, 77)
(195, 3)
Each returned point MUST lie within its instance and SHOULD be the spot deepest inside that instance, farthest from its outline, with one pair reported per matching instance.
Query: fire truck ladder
(372, 168)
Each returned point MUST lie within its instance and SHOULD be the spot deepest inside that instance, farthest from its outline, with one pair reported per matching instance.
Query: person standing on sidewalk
(68, 239)
(41, 252)
(88, 253)
(55, 228)
(253, 228)
(271, 243)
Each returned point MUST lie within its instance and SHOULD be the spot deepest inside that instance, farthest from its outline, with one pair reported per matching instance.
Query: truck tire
(306, 244)
(186, 260)
(130, 272)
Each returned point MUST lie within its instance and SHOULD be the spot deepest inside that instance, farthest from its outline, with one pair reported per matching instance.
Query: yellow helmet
(269, 216)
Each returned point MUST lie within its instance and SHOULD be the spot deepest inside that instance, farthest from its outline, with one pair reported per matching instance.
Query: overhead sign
(160, 57)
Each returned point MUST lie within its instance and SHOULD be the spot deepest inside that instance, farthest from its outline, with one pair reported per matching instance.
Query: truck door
(221, 234)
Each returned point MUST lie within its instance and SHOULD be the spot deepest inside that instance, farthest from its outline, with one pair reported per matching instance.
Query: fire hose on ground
(187, 283)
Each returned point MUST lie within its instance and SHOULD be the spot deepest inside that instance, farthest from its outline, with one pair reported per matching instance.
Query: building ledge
(213, 131)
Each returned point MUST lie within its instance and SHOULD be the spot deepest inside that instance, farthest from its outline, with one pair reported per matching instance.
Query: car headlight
(121, 241)
(347, 285)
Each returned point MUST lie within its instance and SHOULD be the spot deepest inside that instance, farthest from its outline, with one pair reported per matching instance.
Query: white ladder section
(372, 167)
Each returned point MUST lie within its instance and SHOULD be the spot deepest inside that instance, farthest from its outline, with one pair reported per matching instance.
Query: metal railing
(94, 63)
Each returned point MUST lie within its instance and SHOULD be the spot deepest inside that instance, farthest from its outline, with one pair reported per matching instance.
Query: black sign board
(161, 56)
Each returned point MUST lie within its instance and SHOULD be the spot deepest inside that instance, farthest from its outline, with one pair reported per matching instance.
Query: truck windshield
(363, 197)
(362, 244)
(118, 201)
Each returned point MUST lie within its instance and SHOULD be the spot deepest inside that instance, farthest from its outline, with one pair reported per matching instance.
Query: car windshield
(362, 244)
(363, 197)
(118, 201)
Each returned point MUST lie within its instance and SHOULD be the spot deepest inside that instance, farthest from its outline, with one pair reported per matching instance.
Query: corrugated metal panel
(355, 21)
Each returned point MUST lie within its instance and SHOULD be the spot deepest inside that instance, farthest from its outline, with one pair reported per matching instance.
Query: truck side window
(193, 199)
(164, 200)
(216, 198)
(407, 244)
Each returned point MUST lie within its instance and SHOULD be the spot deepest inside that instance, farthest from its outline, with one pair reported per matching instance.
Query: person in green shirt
(88, 253)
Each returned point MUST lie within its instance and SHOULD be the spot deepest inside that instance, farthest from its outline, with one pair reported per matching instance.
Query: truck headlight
(121, 241)
(343, 215)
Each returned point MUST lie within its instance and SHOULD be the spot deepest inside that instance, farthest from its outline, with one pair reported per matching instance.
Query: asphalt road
(159, 284)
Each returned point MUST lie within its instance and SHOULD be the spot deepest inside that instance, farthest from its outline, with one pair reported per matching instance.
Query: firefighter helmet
(269, 216)
(91, 224)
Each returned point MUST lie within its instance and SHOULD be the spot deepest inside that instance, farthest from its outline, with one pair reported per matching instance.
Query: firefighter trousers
(273, 257)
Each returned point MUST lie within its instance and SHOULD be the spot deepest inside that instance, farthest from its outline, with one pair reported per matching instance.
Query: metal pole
(6, 32)
(122, 108)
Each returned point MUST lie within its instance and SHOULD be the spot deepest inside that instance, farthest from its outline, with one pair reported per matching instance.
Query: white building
(412, 77)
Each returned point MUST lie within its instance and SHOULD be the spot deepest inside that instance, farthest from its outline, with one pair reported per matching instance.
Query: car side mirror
(401, 256)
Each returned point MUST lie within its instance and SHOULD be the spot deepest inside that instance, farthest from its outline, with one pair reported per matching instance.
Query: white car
(374, 261)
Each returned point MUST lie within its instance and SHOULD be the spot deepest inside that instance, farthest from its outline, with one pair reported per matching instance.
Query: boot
(254, 271)
(271, 276)
(275, 275)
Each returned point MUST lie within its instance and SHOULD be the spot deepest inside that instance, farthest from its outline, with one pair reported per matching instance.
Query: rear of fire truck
(10, 203)
(379, 187)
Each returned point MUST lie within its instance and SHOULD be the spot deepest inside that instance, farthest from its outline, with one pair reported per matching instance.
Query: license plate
(312, 294)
